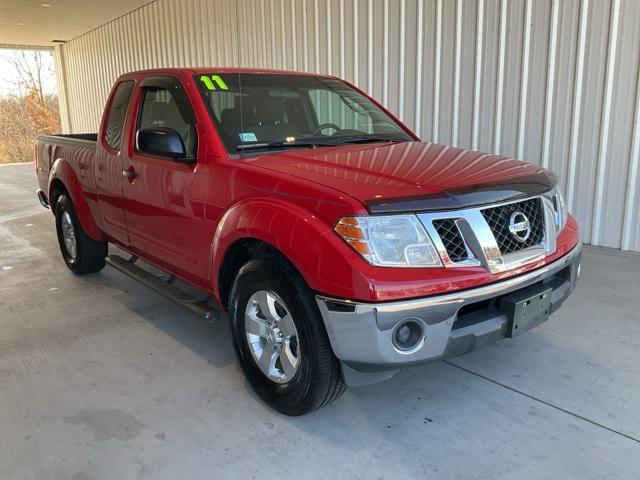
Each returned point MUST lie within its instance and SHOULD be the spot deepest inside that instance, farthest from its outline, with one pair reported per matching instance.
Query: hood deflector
(466, 197)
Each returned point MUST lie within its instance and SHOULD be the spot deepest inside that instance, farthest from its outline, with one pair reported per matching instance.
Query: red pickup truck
(341, 247)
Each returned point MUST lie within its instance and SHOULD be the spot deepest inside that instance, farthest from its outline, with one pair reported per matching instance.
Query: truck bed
(78, 150)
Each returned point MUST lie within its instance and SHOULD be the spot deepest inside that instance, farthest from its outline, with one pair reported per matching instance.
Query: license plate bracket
(526, 308)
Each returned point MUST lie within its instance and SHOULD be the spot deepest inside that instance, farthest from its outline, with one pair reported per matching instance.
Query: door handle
(130, 173)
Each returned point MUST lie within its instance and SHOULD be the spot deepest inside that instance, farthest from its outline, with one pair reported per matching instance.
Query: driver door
(163, 197)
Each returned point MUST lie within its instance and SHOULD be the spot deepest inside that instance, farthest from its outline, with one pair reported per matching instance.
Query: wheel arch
(62, 179)
(56, 188)
(238, 254)
(263, 226)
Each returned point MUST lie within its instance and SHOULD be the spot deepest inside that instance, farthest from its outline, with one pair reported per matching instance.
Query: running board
(164, 287)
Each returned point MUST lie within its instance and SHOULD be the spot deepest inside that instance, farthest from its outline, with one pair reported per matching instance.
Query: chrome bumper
(361, 333)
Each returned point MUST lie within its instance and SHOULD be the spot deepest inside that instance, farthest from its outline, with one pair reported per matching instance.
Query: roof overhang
(31, 23)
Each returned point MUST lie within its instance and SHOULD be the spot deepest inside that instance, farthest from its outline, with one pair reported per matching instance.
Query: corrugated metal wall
(554, 82)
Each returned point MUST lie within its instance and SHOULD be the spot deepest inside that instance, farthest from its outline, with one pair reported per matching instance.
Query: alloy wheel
(272, 336)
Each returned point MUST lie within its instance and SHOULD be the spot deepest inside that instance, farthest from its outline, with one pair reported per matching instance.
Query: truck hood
(412, 176)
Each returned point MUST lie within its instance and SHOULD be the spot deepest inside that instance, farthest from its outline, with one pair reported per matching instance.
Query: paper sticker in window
(248, 137)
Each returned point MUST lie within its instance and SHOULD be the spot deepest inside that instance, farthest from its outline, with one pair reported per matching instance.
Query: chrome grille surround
(480, 241)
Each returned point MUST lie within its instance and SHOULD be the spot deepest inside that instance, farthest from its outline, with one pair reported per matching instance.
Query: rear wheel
(280, 340)
(81, 253)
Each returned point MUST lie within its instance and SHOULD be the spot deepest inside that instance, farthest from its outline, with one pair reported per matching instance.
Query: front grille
(498, 219)
(452, 239)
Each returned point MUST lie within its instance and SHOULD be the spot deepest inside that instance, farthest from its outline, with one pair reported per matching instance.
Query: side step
(164, 287)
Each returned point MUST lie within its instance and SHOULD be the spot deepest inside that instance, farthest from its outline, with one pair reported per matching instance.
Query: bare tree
(30, 112)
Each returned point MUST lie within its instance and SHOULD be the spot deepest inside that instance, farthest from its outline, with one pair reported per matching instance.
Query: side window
(169, 109)
(117, 112)
(331, 108)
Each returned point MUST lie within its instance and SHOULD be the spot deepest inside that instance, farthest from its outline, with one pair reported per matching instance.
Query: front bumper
(453, 324)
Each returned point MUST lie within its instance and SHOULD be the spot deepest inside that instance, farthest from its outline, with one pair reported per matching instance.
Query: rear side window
(117, 112)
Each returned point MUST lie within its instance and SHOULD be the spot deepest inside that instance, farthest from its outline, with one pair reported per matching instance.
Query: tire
(86, 255)
(318, 379)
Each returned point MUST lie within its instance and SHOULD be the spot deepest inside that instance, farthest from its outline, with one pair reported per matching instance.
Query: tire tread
(91, 254)
(329, 385)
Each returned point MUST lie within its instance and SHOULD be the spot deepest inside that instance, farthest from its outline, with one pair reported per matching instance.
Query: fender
(62, 171)
(326, 263)
(286, 227)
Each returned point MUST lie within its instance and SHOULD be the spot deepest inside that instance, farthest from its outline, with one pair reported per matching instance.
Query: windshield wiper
(368, 139)
(281, 144)
(332, 142)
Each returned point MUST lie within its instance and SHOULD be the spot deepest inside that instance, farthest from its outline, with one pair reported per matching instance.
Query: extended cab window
(169, 109)
(117, 113)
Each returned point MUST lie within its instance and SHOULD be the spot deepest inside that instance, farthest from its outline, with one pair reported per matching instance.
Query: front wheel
(81, 253)
(280, 340)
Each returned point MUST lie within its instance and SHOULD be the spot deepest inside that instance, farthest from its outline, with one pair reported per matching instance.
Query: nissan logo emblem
(519, 226)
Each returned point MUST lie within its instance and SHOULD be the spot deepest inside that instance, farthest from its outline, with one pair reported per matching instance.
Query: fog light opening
(408, 335)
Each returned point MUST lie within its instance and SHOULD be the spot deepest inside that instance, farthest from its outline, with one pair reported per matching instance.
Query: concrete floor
(101, 378)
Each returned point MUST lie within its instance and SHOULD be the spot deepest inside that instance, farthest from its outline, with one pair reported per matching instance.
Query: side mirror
(162, 141)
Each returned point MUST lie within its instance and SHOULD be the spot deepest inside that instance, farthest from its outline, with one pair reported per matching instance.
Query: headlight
(559, 208)
(389, 241)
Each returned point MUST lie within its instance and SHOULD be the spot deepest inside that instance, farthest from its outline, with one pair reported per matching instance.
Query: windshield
(267, 111)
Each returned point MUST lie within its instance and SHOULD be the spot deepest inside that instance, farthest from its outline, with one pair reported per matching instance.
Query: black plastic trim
(467, 197)
(160, 81)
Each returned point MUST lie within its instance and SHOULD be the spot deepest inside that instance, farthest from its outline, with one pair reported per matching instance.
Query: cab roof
(196, 70)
